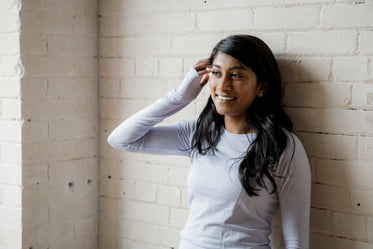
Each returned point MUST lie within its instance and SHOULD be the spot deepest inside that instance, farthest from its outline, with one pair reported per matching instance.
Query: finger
(204, 80)
(202, 64)
(204, 71)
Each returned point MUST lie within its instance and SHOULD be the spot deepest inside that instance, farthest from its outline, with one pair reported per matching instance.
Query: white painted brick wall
(60, 129)
(324, 49)
(10, 127)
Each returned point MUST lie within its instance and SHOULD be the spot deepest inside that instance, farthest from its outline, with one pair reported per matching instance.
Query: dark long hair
(265, 115)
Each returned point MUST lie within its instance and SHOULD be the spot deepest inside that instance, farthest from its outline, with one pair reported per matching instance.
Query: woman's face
(233, 86)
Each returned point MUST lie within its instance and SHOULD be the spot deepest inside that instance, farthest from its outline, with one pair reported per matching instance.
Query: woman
(245, 162)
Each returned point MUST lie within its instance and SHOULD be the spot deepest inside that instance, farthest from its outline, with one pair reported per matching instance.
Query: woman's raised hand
(203, 68)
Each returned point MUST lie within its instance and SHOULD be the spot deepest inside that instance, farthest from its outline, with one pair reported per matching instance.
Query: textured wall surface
(60, 129)
(324, 49)
(52, 129)
(11, 72)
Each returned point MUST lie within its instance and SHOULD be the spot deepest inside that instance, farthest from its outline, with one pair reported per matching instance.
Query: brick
(143, 88)
(253, 3)
(35, 174)
(135, 46)
(276, 41)
(34, 5)
(286, 18)
(313, 70)
(117, 68)
(33, 43)
(10, 131)
(85, 227)
(120, 109)
(347, 15)
(321, 221)
(72, 128)
(10, 237)
(10, 22)
(365, 42)
(10, 88)
(178, 176)
(363, 96)
(33, 88)
(11, 216)
(38, 21)
(10, 174)
(144, 212)
(148, 173)
(121, 25)
(11, 66)
(361, 202)
(225, 20)
(9, 44)
(331, 120)
(161, 235)
(146, 66)
(63, 88)
(6, 5)
(353, 69)
(331, 197)
(34, 130)
(365, 148)
(350, 226)
(330, 146)
(109, 87)
(62, 150)
(170, 67)
(11, 109)
(11, 196)
(145, 191)
(68, 45)
(317, 95)
(331, 242)
(191, 44)
(51, 66)
(330, 42)
(85, 25)
(168, 22)
(82, 169)
(117, 189)
(341, 173)
(169, 195)
(75, 7)
(11, 153)
(178, 217)
(40, 108)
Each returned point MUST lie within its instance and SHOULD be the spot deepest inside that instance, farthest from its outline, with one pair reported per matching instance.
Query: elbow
(115, 142)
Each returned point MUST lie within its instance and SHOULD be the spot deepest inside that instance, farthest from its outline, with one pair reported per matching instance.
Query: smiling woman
(245, 162)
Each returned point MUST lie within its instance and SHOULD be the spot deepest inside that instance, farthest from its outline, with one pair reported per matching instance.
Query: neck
(236, 125)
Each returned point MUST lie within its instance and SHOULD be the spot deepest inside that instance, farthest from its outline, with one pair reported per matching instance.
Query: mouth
(224, 98)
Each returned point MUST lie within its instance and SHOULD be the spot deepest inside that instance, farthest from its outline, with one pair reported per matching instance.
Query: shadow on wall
(317, 108)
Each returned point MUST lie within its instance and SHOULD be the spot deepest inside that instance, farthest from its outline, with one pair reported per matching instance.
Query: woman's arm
(294, 191)
(137, 133)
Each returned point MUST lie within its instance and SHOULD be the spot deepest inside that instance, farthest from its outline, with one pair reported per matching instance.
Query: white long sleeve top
(222, 214)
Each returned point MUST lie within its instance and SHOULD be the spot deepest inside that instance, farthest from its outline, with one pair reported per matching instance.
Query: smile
(224, 98)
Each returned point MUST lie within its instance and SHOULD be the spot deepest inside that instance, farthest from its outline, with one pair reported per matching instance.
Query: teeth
(224, 98)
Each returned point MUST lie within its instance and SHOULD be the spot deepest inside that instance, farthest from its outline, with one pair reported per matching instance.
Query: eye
(236, 75)
(215, 73)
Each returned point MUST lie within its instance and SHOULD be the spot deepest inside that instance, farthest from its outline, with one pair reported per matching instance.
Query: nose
(224, 84)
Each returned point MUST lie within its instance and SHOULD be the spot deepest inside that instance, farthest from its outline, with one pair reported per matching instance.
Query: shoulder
(293, 156)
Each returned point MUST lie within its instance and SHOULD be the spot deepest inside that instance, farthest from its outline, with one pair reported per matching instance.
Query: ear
(262, 89)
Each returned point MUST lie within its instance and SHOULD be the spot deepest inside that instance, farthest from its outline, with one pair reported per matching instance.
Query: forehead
(224, 60)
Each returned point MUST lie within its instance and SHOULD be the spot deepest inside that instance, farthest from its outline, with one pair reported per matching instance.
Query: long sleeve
(137, 133)
(294, 191)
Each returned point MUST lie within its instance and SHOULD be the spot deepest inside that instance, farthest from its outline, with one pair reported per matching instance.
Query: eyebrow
(231, 68)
